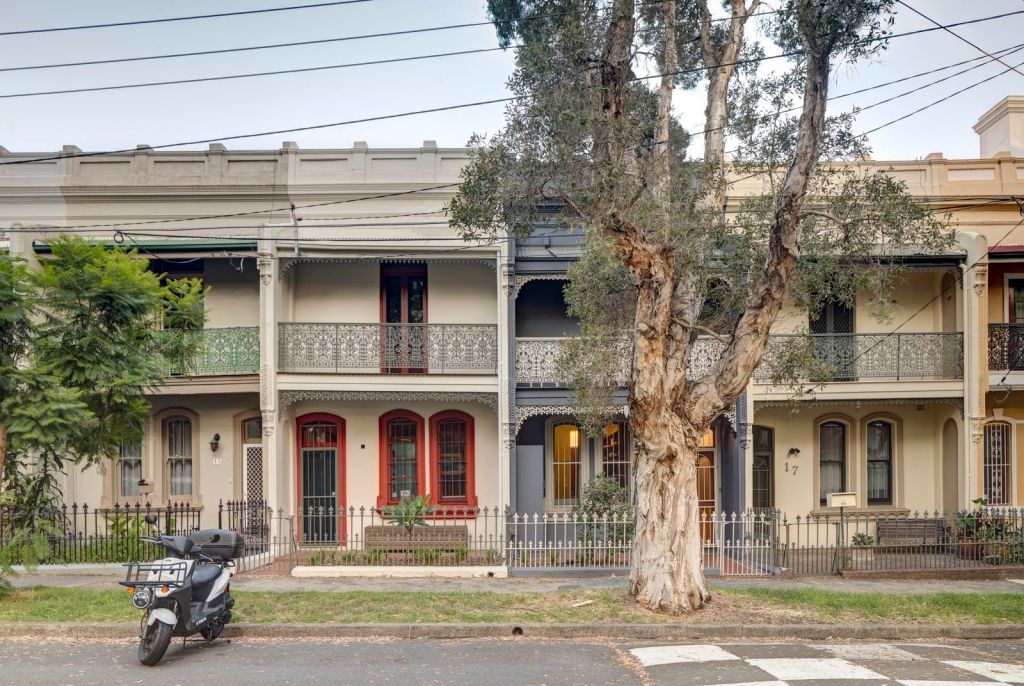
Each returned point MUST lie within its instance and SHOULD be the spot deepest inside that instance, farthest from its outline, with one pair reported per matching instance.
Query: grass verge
(729, 606)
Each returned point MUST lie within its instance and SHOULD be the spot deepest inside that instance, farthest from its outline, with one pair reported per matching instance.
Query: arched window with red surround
(452, 480)
(402, 457)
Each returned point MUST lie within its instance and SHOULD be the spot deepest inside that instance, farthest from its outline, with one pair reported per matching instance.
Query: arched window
(615, 457)
(452, 480)
(401, 456)
(997, 466)
(129, 470)
(178, 444)
(831, 459)
(566, 444)
(763, 468)
(880, 450)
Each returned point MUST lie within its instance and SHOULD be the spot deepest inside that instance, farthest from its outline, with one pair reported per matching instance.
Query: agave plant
(409, 512)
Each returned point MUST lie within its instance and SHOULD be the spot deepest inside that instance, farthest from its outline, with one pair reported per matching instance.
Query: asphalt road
(517, 662)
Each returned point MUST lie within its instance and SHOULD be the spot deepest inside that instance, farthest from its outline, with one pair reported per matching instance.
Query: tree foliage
(680, 250)
(80, 347)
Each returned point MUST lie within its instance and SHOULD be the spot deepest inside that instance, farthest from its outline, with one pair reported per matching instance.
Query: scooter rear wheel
(154, 642)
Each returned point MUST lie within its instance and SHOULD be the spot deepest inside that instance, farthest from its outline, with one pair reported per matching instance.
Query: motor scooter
(185, 593)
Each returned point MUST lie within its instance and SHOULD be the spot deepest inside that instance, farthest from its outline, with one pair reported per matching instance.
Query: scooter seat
(202, 580)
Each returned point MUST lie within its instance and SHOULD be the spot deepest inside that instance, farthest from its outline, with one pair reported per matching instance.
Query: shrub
(604, 496)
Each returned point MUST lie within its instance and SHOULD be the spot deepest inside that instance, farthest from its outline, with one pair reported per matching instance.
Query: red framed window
(402, 459)
(452, 480)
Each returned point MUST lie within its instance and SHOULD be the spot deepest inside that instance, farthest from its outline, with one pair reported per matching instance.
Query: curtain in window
(879, 463)
(179, 455)
(130, 469)
(832, 459)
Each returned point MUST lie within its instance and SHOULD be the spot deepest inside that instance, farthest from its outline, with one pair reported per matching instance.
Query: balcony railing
(1006, 347)
(841, 357)
(388, 348)
(231, 350)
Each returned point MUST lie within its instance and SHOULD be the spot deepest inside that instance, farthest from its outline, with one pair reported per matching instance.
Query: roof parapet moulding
(360, 145)
(70, 149)
(289, 145)
(935, 156)
(217, 147)
(4, 151)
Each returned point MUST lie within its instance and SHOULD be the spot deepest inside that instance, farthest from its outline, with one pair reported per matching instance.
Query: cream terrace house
(358, 351)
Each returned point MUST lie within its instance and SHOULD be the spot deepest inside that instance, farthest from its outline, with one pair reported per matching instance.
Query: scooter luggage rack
(141, 574)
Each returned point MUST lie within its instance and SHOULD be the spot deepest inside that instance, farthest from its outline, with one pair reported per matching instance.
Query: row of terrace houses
(358, 351)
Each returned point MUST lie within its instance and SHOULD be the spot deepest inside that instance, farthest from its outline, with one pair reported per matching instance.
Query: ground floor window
(615, 454)
(763, 468)
(831, 459)
(879, 463)
(452, 450)
(997, 467)
(129, 469)
(566, 449)
(178, 437)
(402, 459)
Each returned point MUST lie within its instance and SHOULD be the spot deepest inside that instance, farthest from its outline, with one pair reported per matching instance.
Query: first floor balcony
(388, 348)
(1006, 347)
(224, 351)
(834, 358)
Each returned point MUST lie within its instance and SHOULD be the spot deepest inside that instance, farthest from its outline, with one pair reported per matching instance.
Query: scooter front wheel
(154, 642)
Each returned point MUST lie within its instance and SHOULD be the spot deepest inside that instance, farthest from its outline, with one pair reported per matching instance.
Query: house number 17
(792, 471)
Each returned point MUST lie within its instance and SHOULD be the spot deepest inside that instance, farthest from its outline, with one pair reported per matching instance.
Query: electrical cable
(447, 108)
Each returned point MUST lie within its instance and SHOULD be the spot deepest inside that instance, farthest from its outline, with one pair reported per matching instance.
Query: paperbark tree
(593, 134)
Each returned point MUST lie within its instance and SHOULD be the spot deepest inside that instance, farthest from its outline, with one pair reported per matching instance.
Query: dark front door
(318, 481)
(404, 319)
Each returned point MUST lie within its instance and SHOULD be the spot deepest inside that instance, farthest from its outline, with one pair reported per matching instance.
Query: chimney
(1001, 129)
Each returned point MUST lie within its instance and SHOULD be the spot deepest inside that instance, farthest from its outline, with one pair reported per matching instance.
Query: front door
(833, 344)
(318, 482)
(404, 319)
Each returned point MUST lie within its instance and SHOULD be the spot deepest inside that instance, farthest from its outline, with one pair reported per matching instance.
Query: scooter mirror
(151, 519)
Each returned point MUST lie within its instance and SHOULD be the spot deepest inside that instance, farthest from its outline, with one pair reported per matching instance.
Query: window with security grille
(402, 458)
(129, 469)
(997, 463)
(179, 455)
(566, 464)
(831, 459)
(452, 459)
(615, 455)
(879, 463)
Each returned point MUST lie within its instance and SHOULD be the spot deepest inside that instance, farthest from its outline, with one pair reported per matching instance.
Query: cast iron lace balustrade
(1006, 347)
(231, 350)
(388, 348)
(842, 357)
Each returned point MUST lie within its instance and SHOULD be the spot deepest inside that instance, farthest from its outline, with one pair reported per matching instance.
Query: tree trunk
(668, 568)
(3, 455)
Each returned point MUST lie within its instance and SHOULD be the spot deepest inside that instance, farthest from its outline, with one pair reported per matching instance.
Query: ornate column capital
(265, 265)
(980, 279)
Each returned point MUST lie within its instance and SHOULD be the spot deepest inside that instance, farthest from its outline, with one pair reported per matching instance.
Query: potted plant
(972, 528)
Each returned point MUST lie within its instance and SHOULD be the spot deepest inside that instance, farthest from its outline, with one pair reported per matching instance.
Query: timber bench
(910, 532)
(390, 538)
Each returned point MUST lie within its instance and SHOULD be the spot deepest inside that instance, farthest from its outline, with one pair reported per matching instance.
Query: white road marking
(668, 655)
(1008, 674)
(794, 669)
(870, 651)
(1016, 581)
(761, 683)
(912, 682)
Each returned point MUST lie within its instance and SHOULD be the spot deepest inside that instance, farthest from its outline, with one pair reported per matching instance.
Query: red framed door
(403, 316)
(320, 478)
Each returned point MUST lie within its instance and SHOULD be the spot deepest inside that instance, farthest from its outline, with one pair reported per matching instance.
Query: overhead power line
(250, 75)
(321, 41)
(445, 108)
(191, 17)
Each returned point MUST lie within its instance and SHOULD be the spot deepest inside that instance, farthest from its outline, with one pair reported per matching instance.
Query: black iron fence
(82, 534)
(1006, 347)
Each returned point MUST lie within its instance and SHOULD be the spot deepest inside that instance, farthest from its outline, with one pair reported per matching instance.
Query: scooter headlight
(142, 598)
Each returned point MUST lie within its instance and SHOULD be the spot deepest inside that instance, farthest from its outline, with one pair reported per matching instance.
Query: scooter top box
(219, 544)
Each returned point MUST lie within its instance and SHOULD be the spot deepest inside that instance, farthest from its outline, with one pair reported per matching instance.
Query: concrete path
(517, 662)
(107, 579)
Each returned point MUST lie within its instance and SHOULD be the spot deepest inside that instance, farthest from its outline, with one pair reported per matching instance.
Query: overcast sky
(119, 119)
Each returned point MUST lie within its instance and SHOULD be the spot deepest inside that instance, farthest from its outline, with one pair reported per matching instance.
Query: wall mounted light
(215, 442)
(794, 452)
